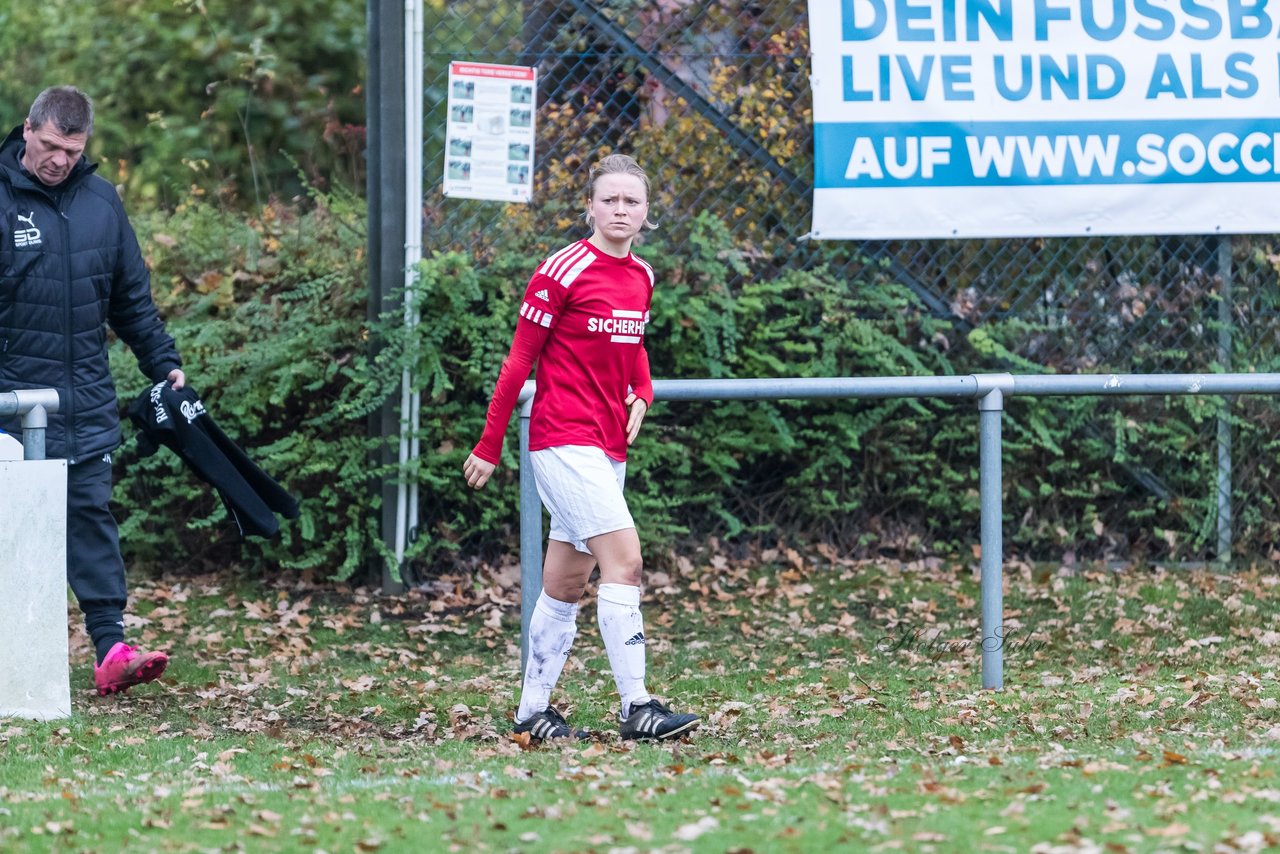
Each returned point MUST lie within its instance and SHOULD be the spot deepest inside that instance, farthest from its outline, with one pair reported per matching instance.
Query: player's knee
(631, 571)
(565, 591)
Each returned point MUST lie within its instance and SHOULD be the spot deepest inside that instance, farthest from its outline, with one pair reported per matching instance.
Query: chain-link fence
(713, 98)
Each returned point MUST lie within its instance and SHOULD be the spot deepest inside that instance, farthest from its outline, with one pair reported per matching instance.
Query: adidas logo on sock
(543, 295)
(637, 639)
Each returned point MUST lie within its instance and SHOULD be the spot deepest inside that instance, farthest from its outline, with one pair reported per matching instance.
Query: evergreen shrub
(269, 315)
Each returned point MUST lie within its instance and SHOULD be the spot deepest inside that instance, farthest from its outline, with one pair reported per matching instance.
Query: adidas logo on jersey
(543, 295)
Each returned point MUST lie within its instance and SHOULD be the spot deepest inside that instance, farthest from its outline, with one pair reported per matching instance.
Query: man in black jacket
(69, 266)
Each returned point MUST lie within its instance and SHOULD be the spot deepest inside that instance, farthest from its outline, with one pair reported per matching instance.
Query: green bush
(216, 97)
(269, 314)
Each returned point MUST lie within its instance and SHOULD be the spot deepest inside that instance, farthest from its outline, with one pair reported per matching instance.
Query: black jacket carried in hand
(178, 420)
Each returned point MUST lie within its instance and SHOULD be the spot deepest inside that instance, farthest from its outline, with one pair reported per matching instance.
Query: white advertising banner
(1043, 118)
(488, 151)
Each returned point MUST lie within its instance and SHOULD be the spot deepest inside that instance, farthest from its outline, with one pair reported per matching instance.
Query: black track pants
(95, 568)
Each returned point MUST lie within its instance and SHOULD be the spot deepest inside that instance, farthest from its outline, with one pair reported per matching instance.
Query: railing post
(530, 536)
(34, 424)
(35, 406)
(991, 391)
(1226, 308)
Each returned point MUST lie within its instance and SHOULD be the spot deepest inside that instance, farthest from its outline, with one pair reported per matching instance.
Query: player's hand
(638, 409)
(477, 471)
(177, 378)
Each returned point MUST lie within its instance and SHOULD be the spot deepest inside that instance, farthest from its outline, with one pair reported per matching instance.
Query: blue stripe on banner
(1046, 153)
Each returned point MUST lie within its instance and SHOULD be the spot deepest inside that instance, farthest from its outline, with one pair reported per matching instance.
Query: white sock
(552, 629)
(622, 629)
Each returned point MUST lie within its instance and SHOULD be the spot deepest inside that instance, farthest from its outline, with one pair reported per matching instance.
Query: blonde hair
(616, 164)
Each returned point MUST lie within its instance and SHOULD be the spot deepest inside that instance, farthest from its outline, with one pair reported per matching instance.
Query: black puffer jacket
(69, 267)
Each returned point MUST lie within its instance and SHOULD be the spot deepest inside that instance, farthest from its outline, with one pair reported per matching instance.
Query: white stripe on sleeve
(577, 270)
(554, 258)
(566, 260)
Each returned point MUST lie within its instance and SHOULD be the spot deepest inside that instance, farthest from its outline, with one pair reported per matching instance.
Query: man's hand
(477, 471)
(638, 409)
(177, 378)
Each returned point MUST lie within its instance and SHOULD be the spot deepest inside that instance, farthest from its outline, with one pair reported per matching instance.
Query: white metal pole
(414, 179)
(412, 247)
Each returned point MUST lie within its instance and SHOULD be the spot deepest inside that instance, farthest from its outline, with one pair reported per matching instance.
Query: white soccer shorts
(582, 487)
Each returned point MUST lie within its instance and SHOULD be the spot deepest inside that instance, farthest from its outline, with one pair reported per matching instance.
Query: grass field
(841, 706)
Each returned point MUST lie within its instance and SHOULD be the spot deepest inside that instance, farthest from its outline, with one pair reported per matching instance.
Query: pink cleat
(125, 667)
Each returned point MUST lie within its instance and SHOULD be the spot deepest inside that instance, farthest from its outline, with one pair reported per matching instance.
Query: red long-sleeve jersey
(582, 321)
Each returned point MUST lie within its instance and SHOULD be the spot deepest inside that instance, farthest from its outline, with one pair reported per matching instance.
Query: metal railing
(990, 390)
(35, 406)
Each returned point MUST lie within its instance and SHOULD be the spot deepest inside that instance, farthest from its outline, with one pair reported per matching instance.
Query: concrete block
(35, 678)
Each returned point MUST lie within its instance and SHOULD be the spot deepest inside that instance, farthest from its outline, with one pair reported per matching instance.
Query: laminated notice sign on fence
(490, 132)
(1003, 118)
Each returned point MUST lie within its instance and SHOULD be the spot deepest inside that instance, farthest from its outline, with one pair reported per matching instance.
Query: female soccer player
(582, 321)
